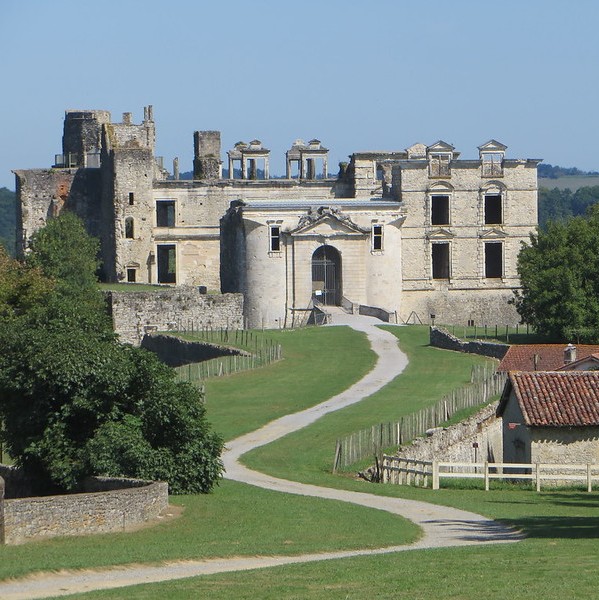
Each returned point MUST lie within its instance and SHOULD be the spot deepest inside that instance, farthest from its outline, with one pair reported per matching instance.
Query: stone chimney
(569, 354)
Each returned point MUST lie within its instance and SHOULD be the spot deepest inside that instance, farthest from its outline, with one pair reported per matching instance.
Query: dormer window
(492, 163)
(438, 164)
(491, 157)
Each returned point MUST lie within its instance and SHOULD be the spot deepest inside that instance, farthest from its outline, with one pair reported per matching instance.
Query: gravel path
(442, 526)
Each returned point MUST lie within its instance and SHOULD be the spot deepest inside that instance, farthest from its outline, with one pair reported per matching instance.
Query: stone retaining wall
(176, 352)
(107, 505)
(455, 443)
(136, 313)
(379, 313)
(440, 338)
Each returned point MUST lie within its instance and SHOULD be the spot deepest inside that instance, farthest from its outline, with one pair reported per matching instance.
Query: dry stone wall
(136, 313)
(443, 339)
(456, 443)
(109, 505)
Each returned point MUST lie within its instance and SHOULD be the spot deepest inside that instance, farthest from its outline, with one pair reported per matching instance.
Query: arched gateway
(326, 275)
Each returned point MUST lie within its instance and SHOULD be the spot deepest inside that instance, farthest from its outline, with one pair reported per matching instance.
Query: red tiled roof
(556, 399)
(551, 356)
(590, 359)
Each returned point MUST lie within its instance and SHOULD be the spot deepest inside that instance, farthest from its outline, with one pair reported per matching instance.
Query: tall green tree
(559, 274)
(75, 402)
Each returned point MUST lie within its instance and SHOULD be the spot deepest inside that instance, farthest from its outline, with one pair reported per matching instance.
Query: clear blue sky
(357, 74)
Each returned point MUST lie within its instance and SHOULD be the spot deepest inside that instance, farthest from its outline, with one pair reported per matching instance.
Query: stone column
(266, 168)
(244, 168)
(288, 171)
(231, 168)
(325, 169)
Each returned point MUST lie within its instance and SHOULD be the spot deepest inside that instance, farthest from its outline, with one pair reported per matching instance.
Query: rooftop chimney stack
(569, 354)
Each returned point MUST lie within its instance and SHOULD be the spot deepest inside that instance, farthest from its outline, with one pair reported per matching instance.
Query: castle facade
(420, 233)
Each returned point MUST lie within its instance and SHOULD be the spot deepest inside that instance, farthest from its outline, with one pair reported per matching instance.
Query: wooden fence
(368, 442)
(259, 352)
(406, 471)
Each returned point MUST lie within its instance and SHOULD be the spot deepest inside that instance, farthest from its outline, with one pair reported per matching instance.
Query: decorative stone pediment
(492, 146)
(440, 146)
(492, 234)
(325, 221)
(440, 234)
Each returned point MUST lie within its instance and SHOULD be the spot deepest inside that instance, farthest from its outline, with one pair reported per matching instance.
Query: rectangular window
(167, 263)
(129, 231)
(493, 212)
(439, 210)
(275, 238)
(439, 165)
(493, 260)
(165, 213)
(131, 199)
(440, 256)
(131, 275)
(377, 237)
(492, 164)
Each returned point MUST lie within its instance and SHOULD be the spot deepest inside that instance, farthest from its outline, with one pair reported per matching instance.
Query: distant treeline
(560, 205)
(553, 171)
(8, 219)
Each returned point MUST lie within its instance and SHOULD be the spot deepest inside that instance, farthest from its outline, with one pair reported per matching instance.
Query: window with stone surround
(438, 164)
(492, 164)
(165, 213)
(129, 228)
(440, 260)
(131, 275)
(493, 260)
(377, 237)
(493, 209)
(274, 238)
(439, 209)
(167, 263)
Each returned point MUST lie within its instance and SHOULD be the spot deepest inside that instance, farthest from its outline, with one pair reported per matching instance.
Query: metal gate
(326, 275)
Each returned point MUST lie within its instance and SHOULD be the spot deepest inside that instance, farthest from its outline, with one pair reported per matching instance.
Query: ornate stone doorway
(326, 275)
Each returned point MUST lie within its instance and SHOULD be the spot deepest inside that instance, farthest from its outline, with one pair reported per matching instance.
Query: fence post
(589, 478)
(384, 469)
(435, 475)
(486, 475)
(538, 476)
(337, 456)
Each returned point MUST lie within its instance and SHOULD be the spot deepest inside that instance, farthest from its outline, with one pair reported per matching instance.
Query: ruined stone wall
(45, 193)
(439, 338)
(137, 313)
(175, 352)
(113, 505)
(455, 443)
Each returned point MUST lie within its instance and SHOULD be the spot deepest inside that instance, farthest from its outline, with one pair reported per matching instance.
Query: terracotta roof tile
(551, 356)
(557, 399)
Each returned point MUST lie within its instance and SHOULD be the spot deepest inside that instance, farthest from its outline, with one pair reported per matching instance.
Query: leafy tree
(74, 401)
(75, 404)
(64, 252)
(559, 273)
(21, 288)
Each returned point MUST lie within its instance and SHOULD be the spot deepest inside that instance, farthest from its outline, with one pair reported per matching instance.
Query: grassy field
(571, 181)
(557, 560)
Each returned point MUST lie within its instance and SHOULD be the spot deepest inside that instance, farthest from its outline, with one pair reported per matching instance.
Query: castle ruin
(420, 232)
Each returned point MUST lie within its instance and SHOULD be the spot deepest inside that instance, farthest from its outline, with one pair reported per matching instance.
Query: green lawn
(431, 374)
(558, 560)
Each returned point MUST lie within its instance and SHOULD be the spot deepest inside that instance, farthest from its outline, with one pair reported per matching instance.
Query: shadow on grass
(557, 527)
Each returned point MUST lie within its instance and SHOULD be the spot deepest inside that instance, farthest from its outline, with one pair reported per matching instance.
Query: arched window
(129, 229)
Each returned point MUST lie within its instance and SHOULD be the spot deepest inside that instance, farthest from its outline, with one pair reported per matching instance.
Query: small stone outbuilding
(550, 417)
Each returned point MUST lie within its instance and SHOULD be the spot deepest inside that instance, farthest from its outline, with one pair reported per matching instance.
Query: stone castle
(419, 233)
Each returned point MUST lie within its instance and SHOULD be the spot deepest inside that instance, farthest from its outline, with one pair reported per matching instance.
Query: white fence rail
(407, 471)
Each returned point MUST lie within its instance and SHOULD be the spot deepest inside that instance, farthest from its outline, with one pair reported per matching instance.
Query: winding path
(442, 526)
